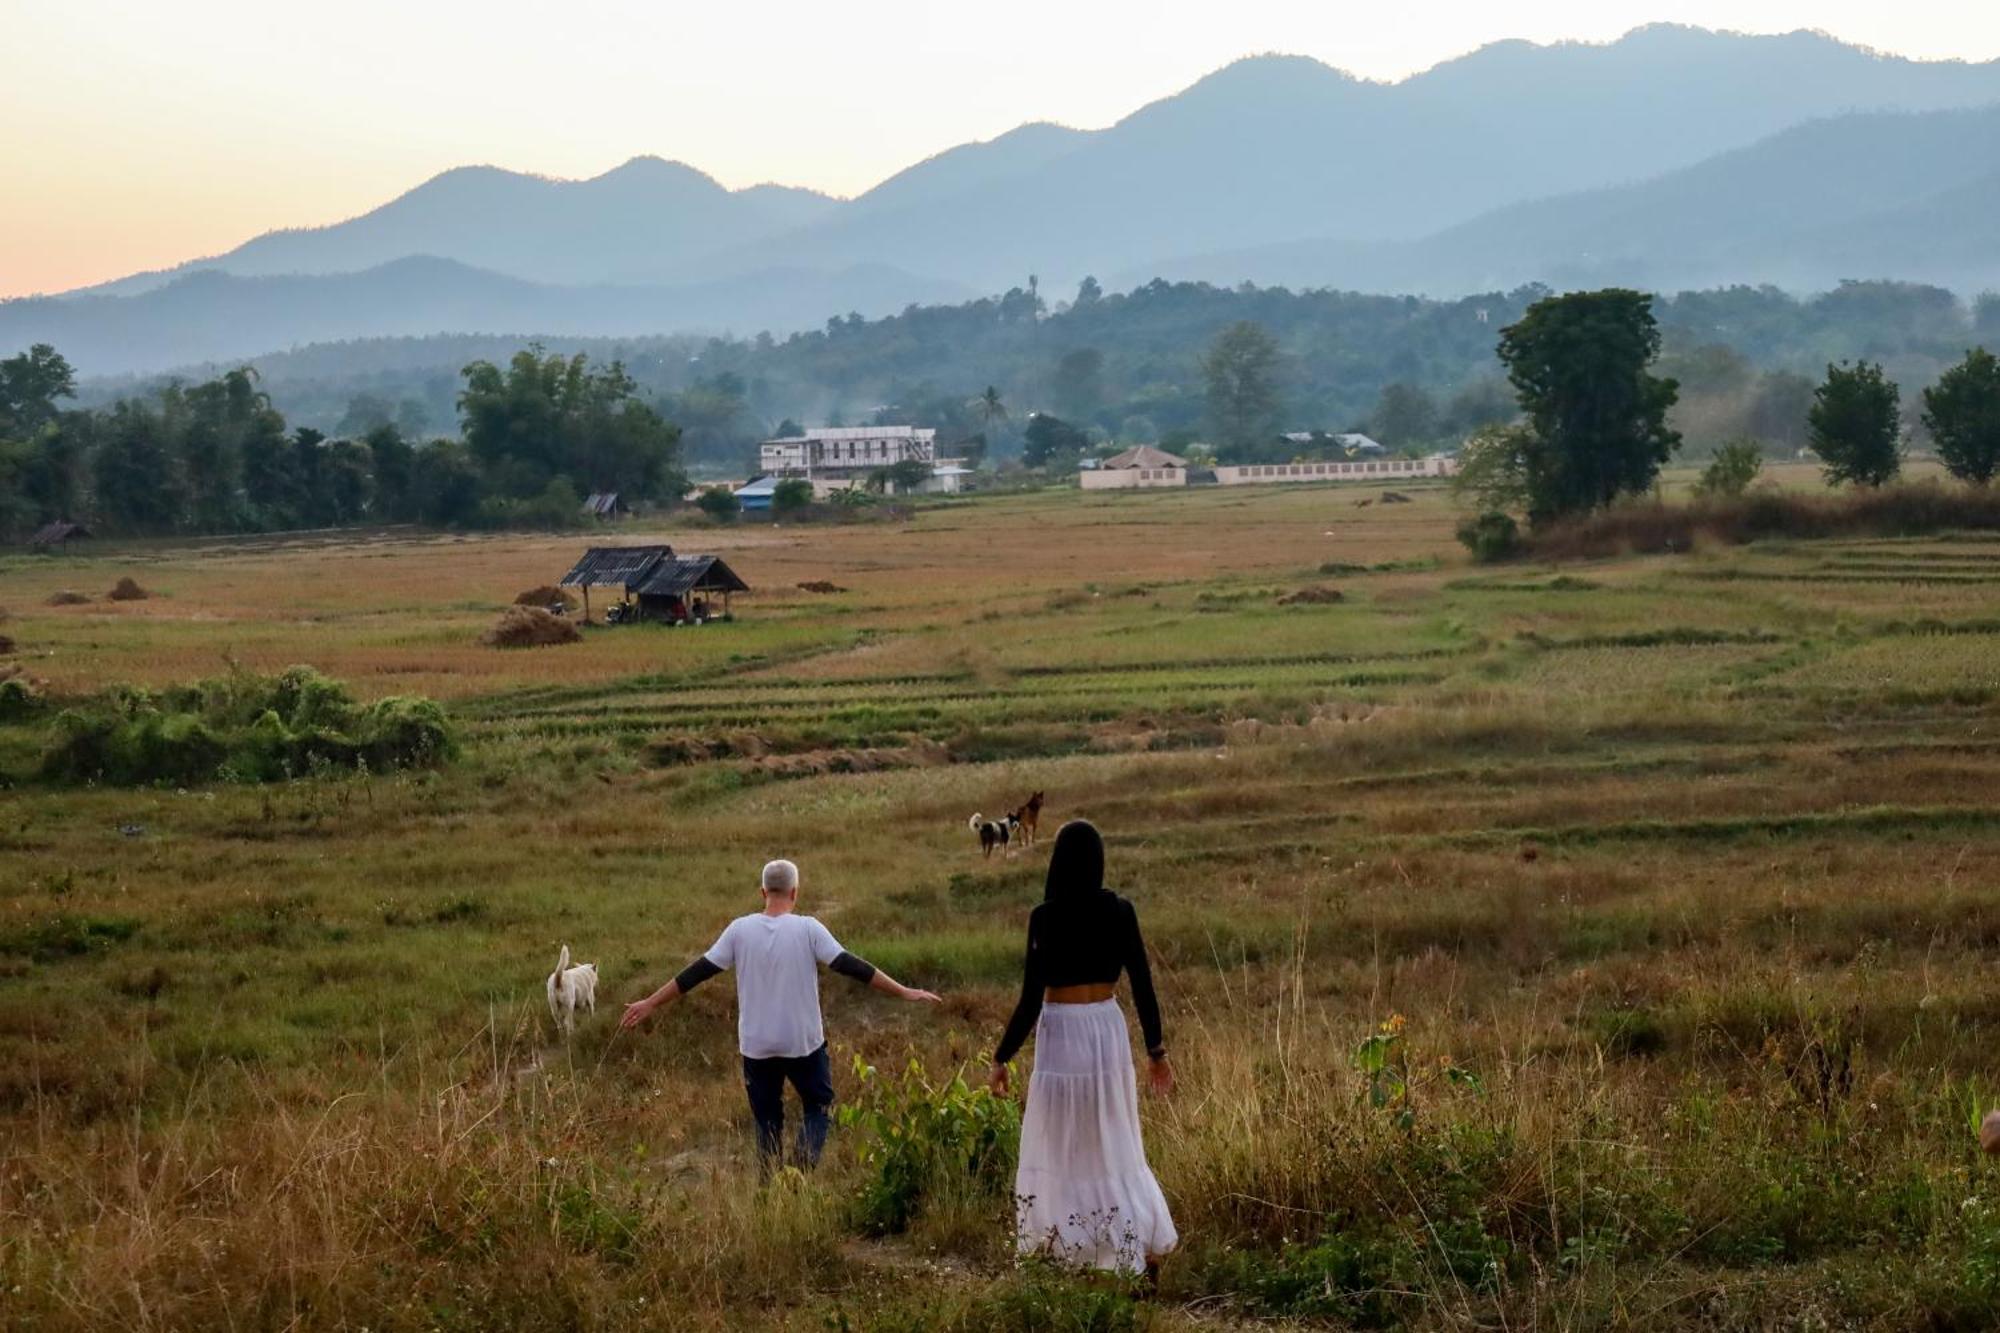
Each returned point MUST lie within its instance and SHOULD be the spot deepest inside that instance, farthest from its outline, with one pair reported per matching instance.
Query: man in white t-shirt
(776, 954)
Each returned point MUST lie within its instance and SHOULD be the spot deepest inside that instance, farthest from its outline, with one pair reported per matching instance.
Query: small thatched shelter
(654, 583)
(51, 536)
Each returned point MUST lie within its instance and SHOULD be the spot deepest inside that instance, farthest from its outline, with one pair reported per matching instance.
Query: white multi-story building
(836, 452)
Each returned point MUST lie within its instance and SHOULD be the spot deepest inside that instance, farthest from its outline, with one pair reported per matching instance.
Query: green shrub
(243, 727)
(791, 496)
(18, 700)
(1730, 472)
(719, 503)
(1490, 537)
(926, 1140)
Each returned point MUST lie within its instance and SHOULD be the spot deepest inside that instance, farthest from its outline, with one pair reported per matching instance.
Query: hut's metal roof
(58, 532)
(620, 566)
(678, 575)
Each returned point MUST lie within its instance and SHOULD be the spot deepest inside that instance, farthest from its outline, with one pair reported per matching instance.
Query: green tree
(30, 384)
(1779, 405)
(1733, 468)
(1404, 415)
(1962, 413)
(1049, 439)
(136, 475)
(544, 417)
(391, 461)
(909, 473)
(1597, 418)
(218, 425)
(346, 481)
(990, 409)
(1078, 384)
(1493, 469)
(1088, 292)
(719, 503)
(1240, 376)
(1855, 425)
(793, 495)
(366, 412)
(444, 484)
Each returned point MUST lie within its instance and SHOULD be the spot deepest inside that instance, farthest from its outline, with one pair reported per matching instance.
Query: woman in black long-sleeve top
(1083, 1191)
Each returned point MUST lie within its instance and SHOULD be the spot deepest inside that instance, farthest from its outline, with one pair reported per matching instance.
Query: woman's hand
(636, 1013)
(996, 1079)
(1160, 1074)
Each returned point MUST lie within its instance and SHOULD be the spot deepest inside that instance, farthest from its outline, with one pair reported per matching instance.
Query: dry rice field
(1603, 946)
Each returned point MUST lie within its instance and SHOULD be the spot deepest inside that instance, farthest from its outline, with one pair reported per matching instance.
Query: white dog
(569, 988)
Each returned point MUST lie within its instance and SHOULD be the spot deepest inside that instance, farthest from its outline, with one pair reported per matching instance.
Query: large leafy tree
(1078, 383)
(1049, 438)
(548, 417)
(1240, 378)
(1596, 415)
(30, 384)
(1962, 413)
(1404, 415)
(1855, 426)
(137, 475)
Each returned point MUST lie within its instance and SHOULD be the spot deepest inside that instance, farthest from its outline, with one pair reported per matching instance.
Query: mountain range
(1673, 157)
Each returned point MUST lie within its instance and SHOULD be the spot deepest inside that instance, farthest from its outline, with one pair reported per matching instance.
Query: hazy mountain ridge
(639, 222)
(214, 316)
(1672, 157)
(1895, 194)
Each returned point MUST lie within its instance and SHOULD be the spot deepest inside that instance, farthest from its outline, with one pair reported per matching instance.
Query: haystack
(1314, 595)
(67, 598)
(127, 589)
(530, 627)
(546, 596)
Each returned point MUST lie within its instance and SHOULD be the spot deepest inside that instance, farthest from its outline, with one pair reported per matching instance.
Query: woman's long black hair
(1076, 866)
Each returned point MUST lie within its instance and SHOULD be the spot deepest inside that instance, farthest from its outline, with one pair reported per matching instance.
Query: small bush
(18, 700)
(243, 727)
(530, 627)
(1731, 471)
(719, 503)
(1313, 595)
(1493, 536)
(927, 1140)
(127, 589)
(792, 496)
(6, 644)
(67, 598)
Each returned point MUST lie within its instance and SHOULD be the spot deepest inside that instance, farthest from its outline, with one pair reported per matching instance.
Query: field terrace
(1674, 879)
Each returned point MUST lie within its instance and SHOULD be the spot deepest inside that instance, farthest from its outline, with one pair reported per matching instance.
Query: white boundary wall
(1121, 478)
(1385, 469)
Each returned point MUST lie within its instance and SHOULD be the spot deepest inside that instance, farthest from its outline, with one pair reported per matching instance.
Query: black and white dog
(993, 833)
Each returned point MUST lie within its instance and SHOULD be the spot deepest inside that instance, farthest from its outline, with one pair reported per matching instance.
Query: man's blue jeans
(765, 1081)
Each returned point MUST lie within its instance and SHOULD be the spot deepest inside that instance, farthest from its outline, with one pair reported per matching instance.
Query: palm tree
(989, 407)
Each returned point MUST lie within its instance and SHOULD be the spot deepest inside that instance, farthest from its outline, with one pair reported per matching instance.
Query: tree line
(218, 457)
(1594, 421)
(1133, 367)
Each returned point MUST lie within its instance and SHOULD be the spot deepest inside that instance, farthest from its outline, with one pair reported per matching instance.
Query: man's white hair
(781, 877)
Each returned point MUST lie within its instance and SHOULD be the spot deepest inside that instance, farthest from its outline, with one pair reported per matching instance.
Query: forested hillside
(1129, 367)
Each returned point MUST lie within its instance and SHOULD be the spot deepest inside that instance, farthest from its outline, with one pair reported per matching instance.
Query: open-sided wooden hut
(654, 583)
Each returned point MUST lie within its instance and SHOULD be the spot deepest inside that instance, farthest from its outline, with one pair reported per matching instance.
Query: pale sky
(138, 135)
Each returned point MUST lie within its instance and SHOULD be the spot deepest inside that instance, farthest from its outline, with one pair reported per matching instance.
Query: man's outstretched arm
(865, 972)
(692, 975)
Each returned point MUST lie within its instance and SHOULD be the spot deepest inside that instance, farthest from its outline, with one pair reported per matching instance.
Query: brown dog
(1028, 816)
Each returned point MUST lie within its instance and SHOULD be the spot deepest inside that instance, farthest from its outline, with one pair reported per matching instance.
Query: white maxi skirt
(1083, 1192)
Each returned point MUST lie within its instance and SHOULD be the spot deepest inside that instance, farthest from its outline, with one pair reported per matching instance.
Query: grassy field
(1603, 946)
